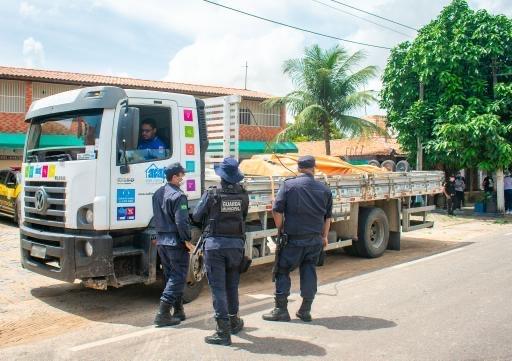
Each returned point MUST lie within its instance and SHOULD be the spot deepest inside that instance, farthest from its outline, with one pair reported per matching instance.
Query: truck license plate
(38, 251)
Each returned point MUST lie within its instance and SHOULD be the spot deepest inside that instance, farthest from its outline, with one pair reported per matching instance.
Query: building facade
(20, 87)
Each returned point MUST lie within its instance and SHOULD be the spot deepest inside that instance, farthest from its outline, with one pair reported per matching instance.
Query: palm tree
(326, 90)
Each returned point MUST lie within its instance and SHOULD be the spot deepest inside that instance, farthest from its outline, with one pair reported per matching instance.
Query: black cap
(307, 161)
(174, 169)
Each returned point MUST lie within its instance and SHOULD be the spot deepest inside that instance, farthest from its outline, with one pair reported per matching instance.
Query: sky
(196, 42)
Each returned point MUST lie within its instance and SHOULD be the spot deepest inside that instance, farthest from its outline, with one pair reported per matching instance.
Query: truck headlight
(89, 216)
(88, 249)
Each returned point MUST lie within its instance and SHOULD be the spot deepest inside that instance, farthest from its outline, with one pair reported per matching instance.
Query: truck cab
(89, 173)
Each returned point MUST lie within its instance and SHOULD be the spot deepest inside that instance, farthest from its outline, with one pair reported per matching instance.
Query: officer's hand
(189, 246)
(325, 241)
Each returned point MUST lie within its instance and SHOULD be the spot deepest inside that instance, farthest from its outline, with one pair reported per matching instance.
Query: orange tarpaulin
(286, 165)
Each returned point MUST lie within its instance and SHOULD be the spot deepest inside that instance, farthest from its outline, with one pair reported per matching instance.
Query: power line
(372, 14)
(296, 27)
(360, 17)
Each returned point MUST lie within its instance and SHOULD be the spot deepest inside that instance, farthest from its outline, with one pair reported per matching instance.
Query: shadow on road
(276, 345)
(352, 323)
(132, 305)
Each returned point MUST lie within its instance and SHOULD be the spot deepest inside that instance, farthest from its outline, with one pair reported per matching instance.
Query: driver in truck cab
(153, 147)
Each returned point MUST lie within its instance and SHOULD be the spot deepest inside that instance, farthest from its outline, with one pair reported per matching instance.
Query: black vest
(226, 208)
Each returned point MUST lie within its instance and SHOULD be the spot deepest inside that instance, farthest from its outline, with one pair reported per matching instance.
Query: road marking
(152, 329)
(259, 296)
(406, 264)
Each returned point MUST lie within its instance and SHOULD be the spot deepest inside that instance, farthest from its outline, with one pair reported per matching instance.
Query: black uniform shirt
(219, 242)
(170, 211)
(306, 204)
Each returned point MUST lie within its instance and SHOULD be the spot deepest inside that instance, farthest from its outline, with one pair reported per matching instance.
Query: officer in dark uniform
(302, 210)
(170, 211)
(450, 193)
(222, 211)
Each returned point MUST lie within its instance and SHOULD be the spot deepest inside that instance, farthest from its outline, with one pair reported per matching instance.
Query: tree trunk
(327, 138)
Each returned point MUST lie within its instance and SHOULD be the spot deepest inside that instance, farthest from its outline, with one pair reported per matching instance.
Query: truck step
(129, 280)
(126, 251)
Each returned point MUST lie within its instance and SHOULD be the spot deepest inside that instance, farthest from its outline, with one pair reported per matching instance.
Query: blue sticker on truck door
(125, 213)
(126, 195)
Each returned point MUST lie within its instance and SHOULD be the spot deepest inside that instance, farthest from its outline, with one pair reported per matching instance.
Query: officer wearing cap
(222, 211)
(302, 210)
(171, 218)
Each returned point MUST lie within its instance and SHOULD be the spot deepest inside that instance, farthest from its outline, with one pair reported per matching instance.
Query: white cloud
(33, 53)
(221, 60)
(494, 6)
(28, 10)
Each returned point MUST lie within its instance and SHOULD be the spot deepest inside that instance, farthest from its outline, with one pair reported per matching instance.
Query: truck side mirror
(127, 133)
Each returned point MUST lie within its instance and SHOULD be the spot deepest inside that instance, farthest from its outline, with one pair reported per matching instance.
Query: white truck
(87, 188)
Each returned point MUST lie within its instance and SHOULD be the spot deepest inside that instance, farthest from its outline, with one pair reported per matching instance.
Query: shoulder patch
(183, 207)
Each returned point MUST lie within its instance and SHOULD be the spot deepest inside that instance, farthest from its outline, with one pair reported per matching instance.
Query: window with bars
(42, 90)
(254, 113)
(12, 96)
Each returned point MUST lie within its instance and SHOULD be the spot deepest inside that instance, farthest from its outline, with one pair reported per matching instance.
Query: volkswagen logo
(41, 202)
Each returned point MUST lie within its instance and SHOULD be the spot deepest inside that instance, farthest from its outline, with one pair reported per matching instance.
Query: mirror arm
(124, 168)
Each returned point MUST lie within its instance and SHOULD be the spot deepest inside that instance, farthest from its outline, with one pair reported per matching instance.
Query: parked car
(10, 191)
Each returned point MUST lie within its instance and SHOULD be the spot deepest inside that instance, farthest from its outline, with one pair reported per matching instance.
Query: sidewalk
(469, 211)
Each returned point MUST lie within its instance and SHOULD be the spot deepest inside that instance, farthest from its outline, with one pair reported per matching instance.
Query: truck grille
(45, 204)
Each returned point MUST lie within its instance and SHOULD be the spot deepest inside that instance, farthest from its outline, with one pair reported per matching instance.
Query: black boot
(179, 311)
(163, 317)
(304, 312)
(222, 336)
(236, 323)
(280, 312)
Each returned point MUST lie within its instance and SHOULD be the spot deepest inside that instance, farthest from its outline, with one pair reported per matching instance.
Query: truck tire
(192, 290)
(196, 278)
(351, 250)
(373, 232)
(17, 214)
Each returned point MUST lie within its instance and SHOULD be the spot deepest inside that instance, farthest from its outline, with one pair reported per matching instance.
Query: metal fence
(12, 96)
(42, 90)
(254, 113)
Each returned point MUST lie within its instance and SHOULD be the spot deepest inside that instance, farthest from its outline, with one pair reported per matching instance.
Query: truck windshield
(72, 136)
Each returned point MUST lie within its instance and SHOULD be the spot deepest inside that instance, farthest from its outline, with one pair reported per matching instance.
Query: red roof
(62, 77)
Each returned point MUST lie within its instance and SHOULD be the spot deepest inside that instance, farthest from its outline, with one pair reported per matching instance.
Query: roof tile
(96, 79)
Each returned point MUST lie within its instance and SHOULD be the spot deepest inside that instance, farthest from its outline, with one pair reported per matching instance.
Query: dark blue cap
(228, 170)
(174, 169)
(307, 161)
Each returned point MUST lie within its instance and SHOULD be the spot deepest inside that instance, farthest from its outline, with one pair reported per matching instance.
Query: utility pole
(500, 179)
(419, 146)
(245, 83)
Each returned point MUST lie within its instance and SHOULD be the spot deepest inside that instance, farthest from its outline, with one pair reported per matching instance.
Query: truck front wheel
(373, 232)
(195, 278)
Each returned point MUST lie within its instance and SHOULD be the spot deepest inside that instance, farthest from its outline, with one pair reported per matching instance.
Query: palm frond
(356, 100)
(353, 126)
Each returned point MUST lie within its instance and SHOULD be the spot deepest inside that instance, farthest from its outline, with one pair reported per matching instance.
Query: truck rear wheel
(195, 278)
(373, 232)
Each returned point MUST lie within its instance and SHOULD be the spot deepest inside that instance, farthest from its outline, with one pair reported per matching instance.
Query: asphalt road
(453, 305)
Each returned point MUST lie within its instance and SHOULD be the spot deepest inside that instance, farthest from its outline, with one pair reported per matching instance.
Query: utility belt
(303, 237)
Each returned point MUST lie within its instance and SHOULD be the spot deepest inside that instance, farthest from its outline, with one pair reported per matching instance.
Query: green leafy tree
(327, 90)
(464, 119)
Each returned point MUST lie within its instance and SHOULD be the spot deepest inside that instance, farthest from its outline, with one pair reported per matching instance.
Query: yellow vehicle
(10, 190)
